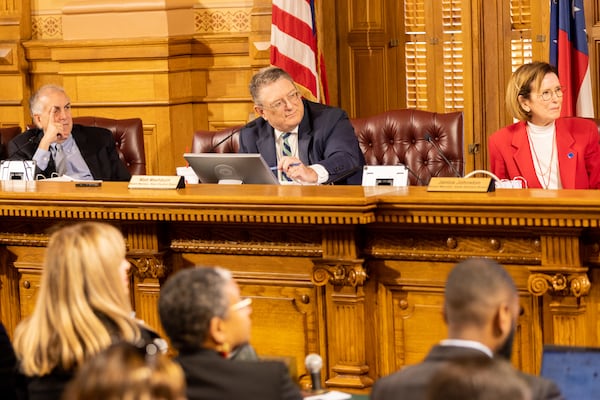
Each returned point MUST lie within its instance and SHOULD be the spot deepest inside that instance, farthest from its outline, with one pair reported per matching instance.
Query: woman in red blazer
(546, 150)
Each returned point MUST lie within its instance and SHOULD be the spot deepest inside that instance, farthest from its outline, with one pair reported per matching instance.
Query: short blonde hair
(526, 79)
(82, 305)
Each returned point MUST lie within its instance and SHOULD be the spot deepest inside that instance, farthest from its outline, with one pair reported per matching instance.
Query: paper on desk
(330, 395)
(67, 178)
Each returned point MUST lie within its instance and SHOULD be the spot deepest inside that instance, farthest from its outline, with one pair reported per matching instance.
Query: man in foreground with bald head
(481, 308)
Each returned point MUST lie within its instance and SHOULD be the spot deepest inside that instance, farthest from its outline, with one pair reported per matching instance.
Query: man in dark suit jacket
(481, 308)
(8, 365)
(321, 146)
(205, 318)
(88, 152)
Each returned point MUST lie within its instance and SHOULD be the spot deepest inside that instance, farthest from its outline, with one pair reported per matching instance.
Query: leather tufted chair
(129, 139)
(208, 141)
(6, 135)
(399, 137)
(390, 138)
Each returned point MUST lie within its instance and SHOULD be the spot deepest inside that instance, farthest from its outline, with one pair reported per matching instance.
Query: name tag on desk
(480, 185)
(156, 182)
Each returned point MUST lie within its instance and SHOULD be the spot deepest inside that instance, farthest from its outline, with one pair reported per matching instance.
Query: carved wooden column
(343, 276)
(564, 279)
(149, 267)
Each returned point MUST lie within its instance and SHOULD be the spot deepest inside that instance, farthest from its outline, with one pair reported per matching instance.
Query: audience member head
(83, 302)
(534, 93)
(480, 378)
(276, 98)
(47, 97)
(201, 308)
(481, 303)
(128, 372)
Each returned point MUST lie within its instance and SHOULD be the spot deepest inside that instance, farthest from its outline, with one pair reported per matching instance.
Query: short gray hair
(265, 77)
(35, 105)
(189, 300)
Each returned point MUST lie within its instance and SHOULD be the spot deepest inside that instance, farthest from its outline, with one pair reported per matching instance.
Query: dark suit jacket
(578, 154)
(210, 376)
(97, 147)
(325, 136)
(411, 382)
(8, 364)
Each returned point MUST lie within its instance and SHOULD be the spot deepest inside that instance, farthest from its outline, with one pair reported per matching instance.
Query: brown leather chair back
(6, 135)
(216, 141)
(129, 139)
(400, 137)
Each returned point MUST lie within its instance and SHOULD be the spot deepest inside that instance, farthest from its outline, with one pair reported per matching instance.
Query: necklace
(547, 175)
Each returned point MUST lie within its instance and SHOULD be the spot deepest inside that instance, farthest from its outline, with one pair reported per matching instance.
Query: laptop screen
(576, 370)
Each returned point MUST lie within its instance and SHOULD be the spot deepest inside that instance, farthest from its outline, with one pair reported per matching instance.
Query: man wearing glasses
(546, 150)
(308, 143)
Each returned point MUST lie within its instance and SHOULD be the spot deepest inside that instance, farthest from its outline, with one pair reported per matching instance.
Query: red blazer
(578, 154)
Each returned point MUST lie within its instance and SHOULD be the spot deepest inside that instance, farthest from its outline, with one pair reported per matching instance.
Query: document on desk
(330, 395)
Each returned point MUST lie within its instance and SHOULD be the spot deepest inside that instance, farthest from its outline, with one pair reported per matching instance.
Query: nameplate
(482, 185)
(156, 182)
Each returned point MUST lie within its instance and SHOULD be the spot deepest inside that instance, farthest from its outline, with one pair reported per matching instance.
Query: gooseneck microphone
(35, 139)
(314, 363)
(233, 132)
(434, 144)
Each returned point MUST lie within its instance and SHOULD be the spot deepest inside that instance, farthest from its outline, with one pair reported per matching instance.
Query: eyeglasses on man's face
(243, 303)
(290, 98)
(546, 95)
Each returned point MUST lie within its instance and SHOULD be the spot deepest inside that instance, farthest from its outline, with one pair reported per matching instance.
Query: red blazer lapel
(567, 155)
(523, 157)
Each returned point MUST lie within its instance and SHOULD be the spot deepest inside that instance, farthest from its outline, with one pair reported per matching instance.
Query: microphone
(35, 139)
(419, 180)
(434, 144)
(233, 132)
(346, 174)
(314, 363)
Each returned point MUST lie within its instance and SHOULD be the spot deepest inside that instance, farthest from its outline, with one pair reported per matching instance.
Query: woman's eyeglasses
(546, 95)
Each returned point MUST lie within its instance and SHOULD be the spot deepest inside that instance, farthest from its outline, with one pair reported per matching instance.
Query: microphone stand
(452, 167)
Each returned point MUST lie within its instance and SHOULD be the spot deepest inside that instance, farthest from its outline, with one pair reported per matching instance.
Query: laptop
(231, 168)
(576, 370)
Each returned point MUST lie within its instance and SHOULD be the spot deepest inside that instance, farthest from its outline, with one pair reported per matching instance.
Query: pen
(291, 165)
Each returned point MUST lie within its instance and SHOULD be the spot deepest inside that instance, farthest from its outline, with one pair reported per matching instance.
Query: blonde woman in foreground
(82, 308)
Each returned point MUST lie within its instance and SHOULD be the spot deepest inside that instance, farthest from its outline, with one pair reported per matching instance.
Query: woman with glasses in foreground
(548, 151)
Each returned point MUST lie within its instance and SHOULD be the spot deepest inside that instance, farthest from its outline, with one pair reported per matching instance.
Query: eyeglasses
(291, 98)
(245, 302)
(546, 95)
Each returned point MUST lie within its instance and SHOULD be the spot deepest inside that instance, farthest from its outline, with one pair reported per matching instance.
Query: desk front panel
(354, 274)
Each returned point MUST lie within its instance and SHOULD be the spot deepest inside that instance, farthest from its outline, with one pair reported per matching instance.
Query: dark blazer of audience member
(481, 309)
(91, 151)
(8, 363)
(126, 371)
(549, 151)
(478, 378)
(204, 316)
(324, 148)
(83, 306)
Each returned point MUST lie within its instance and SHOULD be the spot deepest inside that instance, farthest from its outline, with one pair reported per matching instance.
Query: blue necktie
(286, 150)
(60, 160)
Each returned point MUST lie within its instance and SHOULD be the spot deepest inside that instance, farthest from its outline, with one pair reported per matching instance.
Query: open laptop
(576, 370)
(231, 168)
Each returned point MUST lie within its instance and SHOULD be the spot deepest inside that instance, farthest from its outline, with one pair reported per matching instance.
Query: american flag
(294, 46)
(569, 53)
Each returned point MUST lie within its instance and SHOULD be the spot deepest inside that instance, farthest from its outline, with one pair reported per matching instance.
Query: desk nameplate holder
(156, 182)
(478, 185)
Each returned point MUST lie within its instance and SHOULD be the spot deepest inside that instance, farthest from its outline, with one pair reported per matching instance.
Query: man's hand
(297, 171)
(53, 132)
